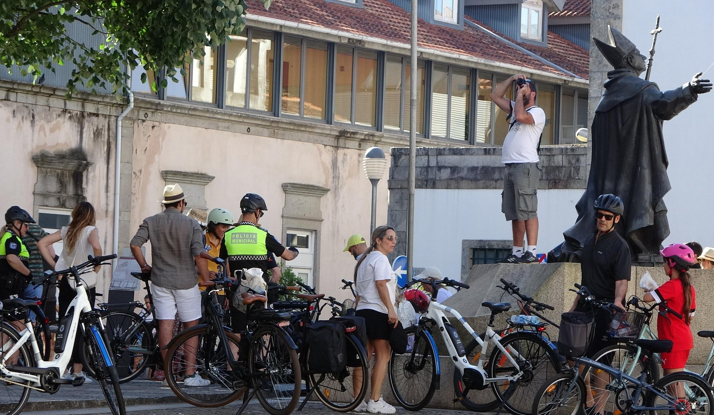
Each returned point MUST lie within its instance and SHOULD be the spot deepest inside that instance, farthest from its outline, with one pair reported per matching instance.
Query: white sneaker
(87, 379)
(196, 380)
(362, 407)
(67, 376)
(380, 407)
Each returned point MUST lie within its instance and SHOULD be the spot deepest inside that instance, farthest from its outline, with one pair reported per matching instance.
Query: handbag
(398, 339)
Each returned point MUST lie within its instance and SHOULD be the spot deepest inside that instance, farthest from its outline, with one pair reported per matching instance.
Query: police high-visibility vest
(246, 243)
(24, 253)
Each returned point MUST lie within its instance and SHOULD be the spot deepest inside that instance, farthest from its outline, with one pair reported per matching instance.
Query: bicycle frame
(79, 306)
(620, 378)
(436, 313)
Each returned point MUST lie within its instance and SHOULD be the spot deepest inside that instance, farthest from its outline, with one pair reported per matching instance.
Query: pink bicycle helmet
(679, 256)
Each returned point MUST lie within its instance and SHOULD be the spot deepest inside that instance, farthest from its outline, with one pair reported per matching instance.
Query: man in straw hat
(628, 154)
(176, 244)
(706, 259)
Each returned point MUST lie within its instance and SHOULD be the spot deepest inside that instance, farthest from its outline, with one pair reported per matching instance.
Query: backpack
(326, 342)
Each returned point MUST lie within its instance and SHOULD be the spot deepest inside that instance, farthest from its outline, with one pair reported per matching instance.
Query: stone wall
(564, 167)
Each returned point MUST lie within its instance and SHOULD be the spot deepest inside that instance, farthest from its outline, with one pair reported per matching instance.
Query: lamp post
(375, 163)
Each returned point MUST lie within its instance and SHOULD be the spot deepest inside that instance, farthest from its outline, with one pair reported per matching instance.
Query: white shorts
(186, 302)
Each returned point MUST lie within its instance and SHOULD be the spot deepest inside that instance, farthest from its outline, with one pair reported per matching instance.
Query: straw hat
(172, 194)
(429, 272)
(707, 254)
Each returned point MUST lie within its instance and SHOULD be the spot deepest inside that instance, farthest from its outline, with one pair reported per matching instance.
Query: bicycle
(528, 306)
(210, 350)
(342, 391)
(23, 365)
(133, 338)
(414, 376)
(676, 393)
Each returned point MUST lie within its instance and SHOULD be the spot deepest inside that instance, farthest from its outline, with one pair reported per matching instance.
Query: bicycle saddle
(706, 334)
(14, 303)
(655, 346)
(252, 298)
(310, 297)
(141, 276)
(496, 307)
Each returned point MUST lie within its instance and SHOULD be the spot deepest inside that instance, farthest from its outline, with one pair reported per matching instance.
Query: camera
(520, 82)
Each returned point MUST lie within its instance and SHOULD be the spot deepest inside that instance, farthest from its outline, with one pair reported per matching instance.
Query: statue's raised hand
(699, 85)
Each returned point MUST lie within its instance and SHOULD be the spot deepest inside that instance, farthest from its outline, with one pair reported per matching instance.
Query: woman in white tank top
(81, 239)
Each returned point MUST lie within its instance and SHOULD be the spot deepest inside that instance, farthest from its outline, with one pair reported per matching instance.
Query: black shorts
(378, 327)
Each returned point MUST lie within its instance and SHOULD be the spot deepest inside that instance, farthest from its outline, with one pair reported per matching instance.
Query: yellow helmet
(355, 239)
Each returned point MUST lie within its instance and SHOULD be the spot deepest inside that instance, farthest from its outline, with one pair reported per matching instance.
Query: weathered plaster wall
(28, 129)
(244, 163)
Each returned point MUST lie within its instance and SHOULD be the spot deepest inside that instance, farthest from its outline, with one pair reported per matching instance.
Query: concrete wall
(458, 198)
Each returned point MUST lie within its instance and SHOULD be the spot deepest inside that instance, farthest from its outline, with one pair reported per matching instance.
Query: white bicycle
(22, 367)
(520, 362)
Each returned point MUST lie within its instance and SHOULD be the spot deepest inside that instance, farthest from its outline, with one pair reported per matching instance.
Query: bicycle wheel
(603, 387)
(99, 359)
(203, 351)
(131, 342)
(13, 392)
(275, 370)
(474, 400)
(559, 396)
(412, 375)
(344, 391)
(537, 360)
(681, 393)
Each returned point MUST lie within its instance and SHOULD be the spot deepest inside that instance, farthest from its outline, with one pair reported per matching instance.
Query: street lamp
(374, 163)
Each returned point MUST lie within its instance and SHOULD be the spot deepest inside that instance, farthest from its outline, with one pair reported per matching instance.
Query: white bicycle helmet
(220, 216)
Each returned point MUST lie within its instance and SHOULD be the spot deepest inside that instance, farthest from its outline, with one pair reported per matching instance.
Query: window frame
(472, 73)
(378, 85)
(404, 61)
(540, 11)
(577, 94)
(455, 20)
(350, 3)
(303, 53)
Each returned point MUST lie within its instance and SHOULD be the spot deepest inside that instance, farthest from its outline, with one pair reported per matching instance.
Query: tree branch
(89, 24)
(20, 23)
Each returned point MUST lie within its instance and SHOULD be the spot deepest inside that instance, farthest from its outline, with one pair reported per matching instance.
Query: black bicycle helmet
(17, 213)
(251, 202)
(610, 203)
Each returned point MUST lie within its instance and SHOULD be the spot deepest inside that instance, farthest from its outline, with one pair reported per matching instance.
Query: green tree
(154, 34)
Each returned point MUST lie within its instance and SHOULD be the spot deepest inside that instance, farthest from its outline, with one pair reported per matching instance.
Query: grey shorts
(520, 191)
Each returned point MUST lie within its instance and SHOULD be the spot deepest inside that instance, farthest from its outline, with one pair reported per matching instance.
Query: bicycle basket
(575, 334)
(627, 324)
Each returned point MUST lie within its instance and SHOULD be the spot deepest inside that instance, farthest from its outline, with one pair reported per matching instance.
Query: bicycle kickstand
(246, 400)
(308, 395)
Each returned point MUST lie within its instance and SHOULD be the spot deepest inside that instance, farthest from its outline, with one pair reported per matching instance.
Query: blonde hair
(82, 216)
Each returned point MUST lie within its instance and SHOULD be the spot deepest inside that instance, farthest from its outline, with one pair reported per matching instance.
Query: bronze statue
(628, 153)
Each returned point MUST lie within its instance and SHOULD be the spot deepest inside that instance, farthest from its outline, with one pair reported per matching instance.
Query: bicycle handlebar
(306, 287)
(513, 289)
(454, 283)
(92, 261)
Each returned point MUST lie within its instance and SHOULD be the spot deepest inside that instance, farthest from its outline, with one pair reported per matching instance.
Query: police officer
(247, 246)
(14, 257)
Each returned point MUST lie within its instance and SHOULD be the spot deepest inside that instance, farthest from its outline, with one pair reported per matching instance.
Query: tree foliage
(154, 34)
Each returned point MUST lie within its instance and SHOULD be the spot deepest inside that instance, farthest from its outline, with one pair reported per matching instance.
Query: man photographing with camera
(520, 155)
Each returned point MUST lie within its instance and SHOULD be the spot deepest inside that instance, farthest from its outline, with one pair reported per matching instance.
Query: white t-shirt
(521, 143)
(442, 295)
(375, 267)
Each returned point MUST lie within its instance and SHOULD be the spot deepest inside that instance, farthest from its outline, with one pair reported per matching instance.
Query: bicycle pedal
(78, 381)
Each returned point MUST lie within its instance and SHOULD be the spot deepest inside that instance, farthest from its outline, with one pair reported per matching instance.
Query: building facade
(286, 110)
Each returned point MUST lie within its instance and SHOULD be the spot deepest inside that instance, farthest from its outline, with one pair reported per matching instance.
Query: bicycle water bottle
(522, 320)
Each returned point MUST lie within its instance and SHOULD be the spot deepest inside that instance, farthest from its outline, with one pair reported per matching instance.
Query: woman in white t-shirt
(81, 239)
(375, 285)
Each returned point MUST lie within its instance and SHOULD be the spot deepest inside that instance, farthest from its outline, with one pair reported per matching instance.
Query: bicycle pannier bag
(398, 339)
(574, 336)
(353, 358)
(326, 342)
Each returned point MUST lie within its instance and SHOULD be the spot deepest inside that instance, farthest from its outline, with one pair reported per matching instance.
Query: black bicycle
(261, 361)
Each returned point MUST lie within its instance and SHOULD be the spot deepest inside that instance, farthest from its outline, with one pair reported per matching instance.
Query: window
(249, 70)
(546, 100)
(450, 107)
(203, 77)
(532, 19)
(481, 256)
(304, 264)
(484, 109)
(52, 220)
(446, 11)
(500, 124)
(397, 94)
(144, 87)
(356, 87)
(304, 64)
(573, 114)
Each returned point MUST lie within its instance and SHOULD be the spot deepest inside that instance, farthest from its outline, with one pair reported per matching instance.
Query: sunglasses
(261, 213)
(601, 215)
(391, 238)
